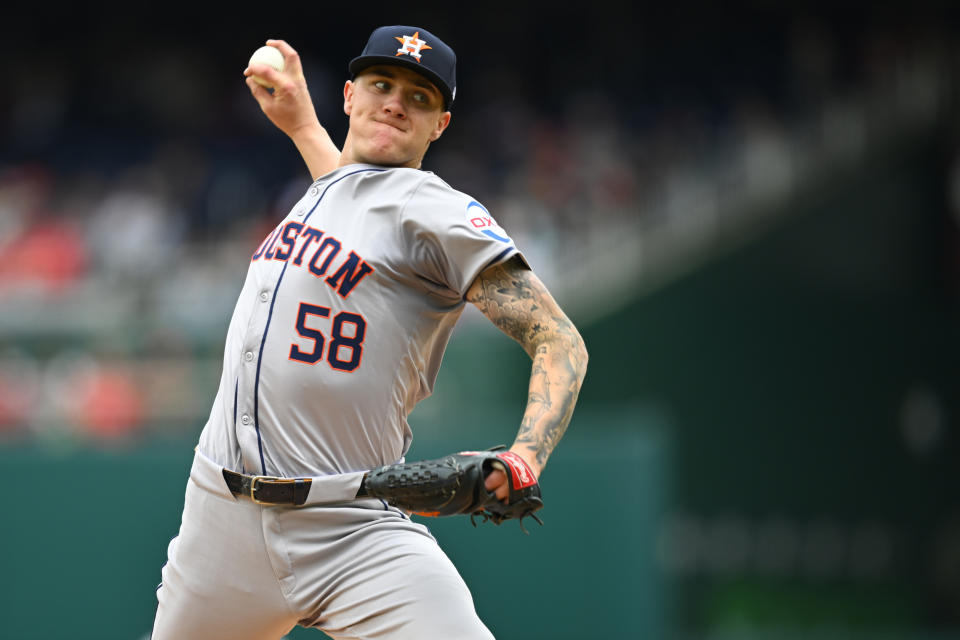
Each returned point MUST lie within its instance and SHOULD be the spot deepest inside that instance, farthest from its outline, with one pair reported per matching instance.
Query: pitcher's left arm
(518, 303)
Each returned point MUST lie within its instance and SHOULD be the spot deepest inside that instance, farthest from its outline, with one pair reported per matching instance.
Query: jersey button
(264, 296)
(245, 419)
(248, 356)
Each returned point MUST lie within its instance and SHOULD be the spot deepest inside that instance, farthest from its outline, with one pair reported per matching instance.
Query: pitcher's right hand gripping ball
(454, 485)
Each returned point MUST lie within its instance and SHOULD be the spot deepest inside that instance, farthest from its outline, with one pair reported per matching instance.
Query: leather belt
(268, 489)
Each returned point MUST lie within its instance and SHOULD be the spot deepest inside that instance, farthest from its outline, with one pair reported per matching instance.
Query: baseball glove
(454, 485)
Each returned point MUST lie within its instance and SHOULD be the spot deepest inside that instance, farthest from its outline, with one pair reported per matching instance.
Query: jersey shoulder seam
(403, 209)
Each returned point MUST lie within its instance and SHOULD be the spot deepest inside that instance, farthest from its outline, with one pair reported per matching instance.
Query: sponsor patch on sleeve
(481, 221)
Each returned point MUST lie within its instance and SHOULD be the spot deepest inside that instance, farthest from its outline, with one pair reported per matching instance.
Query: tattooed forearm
(553, 394)
(515, 300)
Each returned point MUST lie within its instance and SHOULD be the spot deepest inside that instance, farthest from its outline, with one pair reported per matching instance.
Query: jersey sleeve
(451, 238)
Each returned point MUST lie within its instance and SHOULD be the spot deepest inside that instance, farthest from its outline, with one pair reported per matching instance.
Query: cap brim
(360, 63)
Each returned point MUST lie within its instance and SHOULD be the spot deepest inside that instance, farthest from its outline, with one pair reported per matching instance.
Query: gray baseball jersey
(342, 322)
(338, 332)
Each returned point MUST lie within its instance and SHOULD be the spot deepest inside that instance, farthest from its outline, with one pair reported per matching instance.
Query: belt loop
(301, 489)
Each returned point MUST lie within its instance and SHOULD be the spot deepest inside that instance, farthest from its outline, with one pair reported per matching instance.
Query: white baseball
(266, 55)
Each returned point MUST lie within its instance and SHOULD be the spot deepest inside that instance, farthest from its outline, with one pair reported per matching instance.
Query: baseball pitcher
(297, 507)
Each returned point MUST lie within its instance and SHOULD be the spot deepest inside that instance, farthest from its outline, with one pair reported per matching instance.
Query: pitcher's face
(395, 114)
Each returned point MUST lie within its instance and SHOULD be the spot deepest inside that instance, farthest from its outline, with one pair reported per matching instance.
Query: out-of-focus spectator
(40, 250)
(107, 401)
(19, 390)
(49, 255)
(136, 223)
(87, 397)
(135, 232)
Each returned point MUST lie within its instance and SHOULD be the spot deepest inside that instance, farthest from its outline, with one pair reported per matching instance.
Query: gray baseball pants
(242, 571)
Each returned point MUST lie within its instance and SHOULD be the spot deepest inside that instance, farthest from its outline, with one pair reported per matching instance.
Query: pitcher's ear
(348, 90)
(442, 125)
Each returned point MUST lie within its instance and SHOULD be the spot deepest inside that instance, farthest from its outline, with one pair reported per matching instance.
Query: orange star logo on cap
(412, 45)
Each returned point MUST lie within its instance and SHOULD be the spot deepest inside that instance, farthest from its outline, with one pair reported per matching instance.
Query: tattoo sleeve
(517, 302)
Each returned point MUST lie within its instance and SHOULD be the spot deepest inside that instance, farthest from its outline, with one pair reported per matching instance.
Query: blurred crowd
(124, 234)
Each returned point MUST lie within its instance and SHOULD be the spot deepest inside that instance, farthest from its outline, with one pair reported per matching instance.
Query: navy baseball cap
(416, 49)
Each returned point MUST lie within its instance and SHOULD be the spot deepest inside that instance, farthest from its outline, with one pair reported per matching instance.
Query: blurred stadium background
(752, 210)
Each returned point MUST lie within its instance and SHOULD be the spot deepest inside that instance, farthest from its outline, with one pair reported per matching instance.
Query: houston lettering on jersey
(310, 248)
